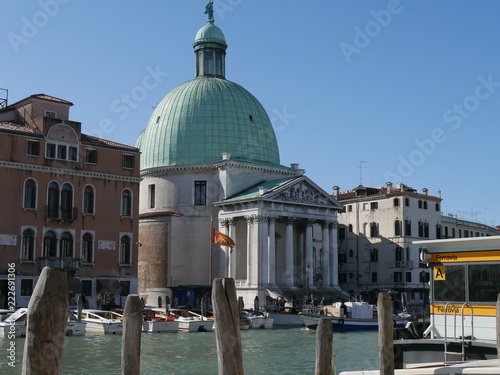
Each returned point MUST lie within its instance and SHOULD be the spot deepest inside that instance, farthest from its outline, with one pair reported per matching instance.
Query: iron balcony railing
(57, 213)
(65, 263)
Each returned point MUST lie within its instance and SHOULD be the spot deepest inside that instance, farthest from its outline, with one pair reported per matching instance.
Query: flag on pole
(222, 239)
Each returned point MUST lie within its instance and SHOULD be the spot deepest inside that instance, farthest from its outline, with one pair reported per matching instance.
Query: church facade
(210, 160)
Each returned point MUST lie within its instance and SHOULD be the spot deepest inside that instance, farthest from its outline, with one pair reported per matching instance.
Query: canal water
(277, 351)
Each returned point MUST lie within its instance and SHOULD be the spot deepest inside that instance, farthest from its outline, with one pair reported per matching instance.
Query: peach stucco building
(68, 200)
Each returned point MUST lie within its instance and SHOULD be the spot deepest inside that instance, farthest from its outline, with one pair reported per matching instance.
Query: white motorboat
(102, 322)
(157, 321)
(190, 321)
(15, 325)
(259, 320)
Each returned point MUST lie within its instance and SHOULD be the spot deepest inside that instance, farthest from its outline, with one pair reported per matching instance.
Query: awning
(108, 286)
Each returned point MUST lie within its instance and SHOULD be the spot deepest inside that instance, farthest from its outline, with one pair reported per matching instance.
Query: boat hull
(196, 326)
(160, 326)
(104, 328)
(347, 324)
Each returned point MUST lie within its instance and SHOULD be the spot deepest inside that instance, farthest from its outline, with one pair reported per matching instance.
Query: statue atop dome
(209, 9)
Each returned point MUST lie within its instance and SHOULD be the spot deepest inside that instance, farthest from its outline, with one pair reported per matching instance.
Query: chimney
(294, 165)
(262, 190)
(336, 190)
(389, 187)
(425, 191)
(439, 193)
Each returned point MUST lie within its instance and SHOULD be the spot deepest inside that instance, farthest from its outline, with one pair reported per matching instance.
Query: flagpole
(211, 245)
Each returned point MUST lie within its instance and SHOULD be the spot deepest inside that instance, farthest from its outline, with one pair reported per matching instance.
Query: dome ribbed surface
(202, 118)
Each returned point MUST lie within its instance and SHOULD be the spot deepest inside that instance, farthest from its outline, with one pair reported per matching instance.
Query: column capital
(290, 220)
(310, 222)
(224, 222)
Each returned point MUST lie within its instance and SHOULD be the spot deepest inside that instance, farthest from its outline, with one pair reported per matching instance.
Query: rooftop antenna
(4, 96)
(361, 166)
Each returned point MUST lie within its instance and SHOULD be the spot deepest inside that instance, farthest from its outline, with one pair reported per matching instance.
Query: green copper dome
(210, 33)
(202, 118)
(207, 116)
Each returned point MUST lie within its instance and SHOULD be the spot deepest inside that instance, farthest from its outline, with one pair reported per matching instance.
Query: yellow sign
(439, 273)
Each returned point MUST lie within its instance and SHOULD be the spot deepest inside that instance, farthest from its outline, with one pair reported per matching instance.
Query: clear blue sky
(411, 88)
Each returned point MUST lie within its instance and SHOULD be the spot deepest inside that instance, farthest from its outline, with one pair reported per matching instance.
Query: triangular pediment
(302, 191)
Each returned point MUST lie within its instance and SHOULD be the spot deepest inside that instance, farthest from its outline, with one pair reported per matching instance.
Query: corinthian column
(326, 253)
(309, 252)
(289, 271)
(272, 252)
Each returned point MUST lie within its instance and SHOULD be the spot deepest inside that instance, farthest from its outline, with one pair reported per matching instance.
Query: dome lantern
(210, 48)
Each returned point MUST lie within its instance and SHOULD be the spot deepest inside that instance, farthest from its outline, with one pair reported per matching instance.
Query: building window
(128, 161)
(374, 255)
(419, 204)
(453, 233)
(200, 193)
(445, 232)
(51, 114)
(152, 196)
(88, 200)
(407, 227)
(398, 277)
(351, 253)
(407, 202)
(87, 248)
(342, 258)
(374, 230)
(61, 152)
(349, 208)
(398, 230)
(342, 277)
(33, 148)
(67, 245)
(53, 201)
(425, 205)
(67, 202)
(408, 277)
(396, 202)
(50, 151)
(438, 231)
(90, 156)
(374, 277)
(426, 230)
(438, 207)
(30, 194)
(420, 229)
(126, 209)
(49, 244)
(125, 255)
(26, 287)
(373, 205)
(125, 288)
(350, 228)
(28, 246)
(398, 254)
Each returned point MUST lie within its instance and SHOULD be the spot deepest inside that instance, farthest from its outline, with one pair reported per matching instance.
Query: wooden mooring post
(131, 338)
(385, 334)
(324, 340)
(46, 329)
(227, 332)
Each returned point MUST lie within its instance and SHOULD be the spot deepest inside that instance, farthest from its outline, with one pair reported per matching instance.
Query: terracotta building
(69, 200)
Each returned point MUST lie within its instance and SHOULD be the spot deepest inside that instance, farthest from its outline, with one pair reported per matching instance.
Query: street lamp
(308, 269)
